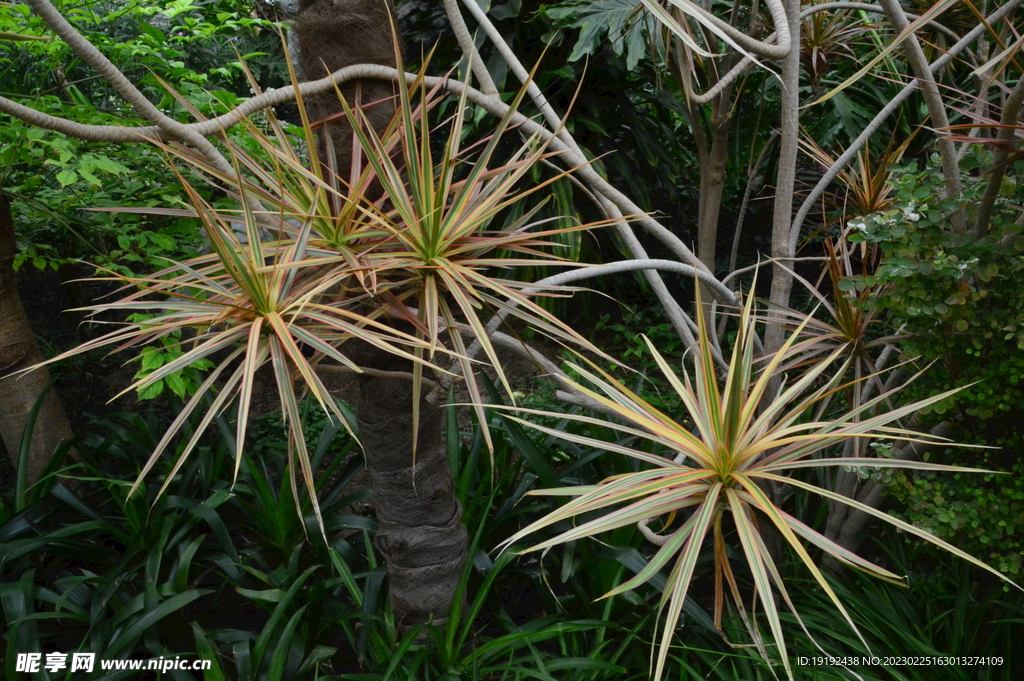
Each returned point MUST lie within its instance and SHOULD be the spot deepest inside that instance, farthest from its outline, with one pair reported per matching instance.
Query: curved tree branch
(745, 63)
(493, 104)
(581, 274)
(1008, 123)
(886, 111)
(778, 50)
(569, 393)
(476, 62)
(369, 371)
(676, 315)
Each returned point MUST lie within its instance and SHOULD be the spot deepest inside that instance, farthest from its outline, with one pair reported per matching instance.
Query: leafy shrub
(958, 298)
(983, 514)
(53, 177)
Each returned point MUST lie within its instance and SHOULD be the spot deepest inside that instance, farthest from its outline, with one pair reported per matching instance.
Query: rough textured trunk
(19, 350)
(333, 34)
(421, 534)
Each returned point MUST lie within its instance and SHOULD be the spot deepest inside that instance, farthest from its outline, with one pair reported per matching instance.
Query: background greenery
(237, 573)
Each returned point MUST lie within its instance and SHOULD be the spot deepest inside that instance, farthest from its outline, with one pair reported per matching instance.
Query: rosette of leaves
(444, 238)
(842, 321)
(306, 261)
(743, 439)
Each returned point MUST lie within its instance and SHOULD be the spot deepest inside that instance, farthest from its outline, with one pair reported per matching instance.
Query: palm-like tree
(383, 287)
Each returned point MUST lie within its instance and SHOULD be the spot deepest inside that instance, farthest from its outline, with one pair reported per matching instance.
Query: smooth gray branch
(779, 50)
(886, 111)
(745, 63)
(466, 42)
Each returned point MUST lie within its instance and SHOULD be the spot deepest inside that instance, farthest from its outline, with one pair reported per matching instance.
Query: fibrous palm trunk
(421, 535)
(333, 34)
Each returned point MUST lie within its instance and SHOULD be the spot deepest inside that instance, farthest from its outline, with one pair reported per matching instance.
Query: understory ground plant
(238, 574)
(702, 482)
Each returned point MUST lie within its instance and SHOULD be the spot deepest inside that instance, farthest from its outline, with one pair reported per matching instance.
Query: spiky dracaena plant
(867, 187)
(308, 270)
(741, 438)
(843, 321)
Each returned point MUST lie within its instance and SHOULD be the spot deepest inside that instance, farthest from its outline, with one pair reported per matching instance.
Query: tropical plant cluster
(625, 339)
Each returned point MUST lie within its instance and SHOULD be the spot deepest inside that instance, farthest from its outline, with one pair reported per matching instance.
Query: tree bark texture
(19, 350)
(421, 534)
(333, 34)
(782, 220)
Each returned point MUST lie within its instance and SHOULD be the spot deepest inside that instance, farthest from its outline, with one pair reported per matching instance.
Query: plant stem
(1008, 127)
(789, 133)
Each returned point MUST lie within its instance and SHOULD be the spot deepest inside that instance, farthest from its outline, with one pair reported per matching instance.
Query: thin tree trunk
(19, 350)
(712, 147)
(1008, 127)
(712, 183)
(782, 218)
(782, 280)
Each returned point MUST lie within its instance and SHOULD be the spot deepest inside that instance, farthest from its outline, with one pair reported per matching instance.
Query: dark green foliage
(207, 567)
(983, 513)
(235, 573)
(624, 339)
(54, 179)
(615, 22)
(958, 298)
